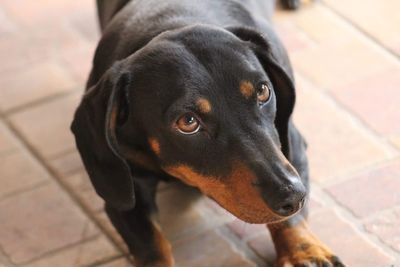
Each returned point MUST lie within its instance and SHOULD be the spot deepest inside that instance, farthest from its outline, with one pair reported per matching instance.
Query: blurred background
(346, 58)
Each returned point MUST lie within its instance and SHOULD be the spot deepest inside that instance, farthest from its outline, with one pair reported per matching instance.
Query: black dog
(200, 91)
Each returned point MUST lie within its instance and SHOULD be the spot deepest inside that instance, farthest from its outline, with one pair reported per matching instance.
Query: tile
(47, 127)
(8, 142)
(368, 15)
(347, 242)
(215, 251)
(83, 254)
(19, 171)
(330, 133)
(27, 13)
(33, 83)
(264, 247)
(48, 41)
(380, 190)
(79, 184)
(41, 221)
(386, 226)
(246, 230)
(104, 221)
(193, 212)
(396, 141)
(292, 37)
(375, 100)
(6, 24)
(68, 163)
(322, 26)
(340, 55)
(334, 66)
(118, 263)
(79, 63)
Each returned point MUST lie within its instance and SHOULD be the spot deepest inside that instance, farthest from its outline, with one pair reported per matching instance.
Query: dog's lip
(270, 218)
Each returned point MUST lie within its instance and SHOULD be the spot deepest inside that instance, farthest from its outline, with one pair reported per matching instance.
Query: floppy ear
(101, 111)
(276, 64)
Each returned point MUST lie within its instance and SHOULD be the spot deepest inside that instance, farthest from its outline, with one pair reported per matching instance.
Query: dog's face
(201, 106)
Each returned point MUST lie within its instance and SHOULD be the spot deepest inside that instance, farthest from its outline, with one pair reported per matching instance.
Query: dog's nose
(289, 199)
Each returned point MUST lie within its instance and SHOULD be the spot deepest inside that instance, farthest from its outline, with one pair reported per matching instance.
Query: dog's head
(206, 105)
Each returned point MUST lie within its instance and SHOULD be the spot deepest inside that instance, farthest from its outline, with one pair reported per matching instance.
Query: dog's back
(127, 26)
(210, 11)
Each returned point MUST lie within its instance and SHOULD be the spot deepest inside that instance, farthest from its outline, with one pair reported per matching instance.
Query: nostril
(290, 207)
(286, 210)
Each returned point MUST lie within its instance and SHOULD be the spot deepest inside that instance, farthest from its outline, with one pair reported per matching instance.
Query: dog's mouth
(251, 214)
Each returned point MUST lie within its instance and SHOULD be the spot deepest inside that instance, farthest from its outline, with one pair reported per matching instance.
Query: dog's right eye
(263, 93)
(188, 124)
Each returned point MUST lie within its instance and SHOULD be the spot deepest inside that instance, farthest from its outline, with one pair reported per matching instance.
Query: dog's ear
(103, 109)
(275, 62)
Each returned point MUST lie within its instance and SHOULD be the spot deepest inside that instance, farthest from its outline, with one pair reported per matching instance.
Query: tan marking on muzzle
(236, 192)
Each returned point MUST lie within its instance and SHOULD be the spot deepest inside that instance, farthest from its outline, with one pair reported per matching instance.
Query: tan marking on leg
(247, 89)
(204, 105)
(164, 247)
(296, 245)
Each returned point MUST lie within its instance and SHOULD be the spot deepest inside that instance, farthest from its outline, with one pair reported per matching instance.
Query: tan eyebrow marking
(246, 88)
(155, 146)
(204, 105)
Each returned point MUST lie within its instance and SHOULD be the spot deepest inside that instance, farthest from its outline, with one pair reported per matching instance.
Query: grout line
(354, 118)
(108, 260)
(41, 101)
(25, 189)
(330, 202)
(5, 258)
(63, 153)
(368, 168)
(56, 251)
(241, 247)
(360, 29)
(31, 150)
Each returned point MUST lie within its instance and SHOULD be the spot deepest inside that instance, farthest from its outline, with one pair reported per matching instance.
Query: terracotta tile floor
(346, 57)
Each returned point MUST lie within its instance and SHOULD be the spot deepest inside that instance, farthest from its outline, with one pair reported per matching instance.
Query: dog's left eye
(263, 93)
(188, 124)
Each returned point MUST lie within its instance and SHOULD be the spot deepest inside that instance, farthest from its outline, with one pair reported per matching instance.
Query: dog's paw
(309, 255)
(291, 4)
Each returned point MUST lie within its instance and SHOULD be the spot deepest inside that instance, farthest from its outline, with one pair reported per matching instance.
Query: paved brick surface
(118, 263)
(8, 142)
(347, 241)
(215, 251)
(41, 221)
(380, 21)
(46, 79)
(379, 91)
(47, 127)
(90, 252)
(386, 227)
(18, 171)
(380, 190)
(345, 55)
(330, 139)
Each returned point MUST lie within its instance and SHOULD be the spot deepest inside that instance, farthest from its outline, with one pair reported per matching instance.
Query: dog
(201, 92)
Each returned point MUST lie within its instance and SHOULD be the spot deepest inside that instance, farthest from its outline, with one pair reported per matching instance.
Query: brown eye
(263, 93)
(188, 124)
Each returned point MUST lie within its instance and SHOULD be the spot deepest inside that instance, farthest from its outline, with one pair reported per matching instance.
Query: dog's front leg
(142, 235)
(297, 246)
